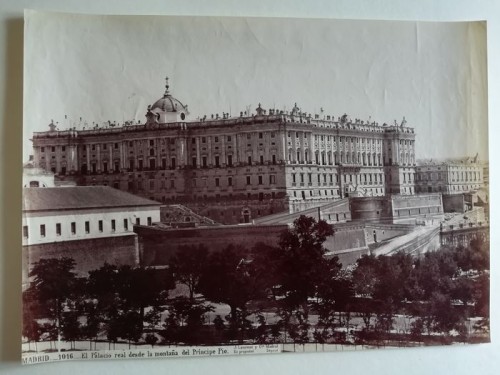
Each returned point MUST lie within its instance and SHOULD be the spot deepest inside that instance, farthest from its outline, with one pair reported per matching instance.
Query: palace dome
(168, 103)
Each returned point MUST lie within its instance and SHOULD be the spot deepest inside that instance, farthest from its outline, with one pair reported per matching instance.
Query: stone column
(198, 156)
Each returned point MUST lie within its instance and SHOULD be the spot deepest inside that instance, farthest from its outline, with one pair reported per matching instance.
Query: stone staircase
(177, 213)
(288, 218)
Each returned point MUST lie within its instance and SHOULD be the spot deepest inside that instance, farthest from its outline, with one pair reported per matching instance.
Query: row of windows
(73, 227)
(325, 158)
(334, 193)
(52, 148)
(323, 137)
(104, 146)
(172, 165)
(435, 176)
(364, 176)
(260, 135)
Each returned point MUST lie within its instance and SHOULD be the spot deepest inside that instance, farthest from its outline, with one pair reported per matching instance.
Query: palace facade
(235, 168)
(450, 176)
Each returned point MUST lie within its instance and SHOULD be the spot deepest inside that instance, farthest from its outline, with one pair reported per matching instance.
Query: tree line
(291, 292)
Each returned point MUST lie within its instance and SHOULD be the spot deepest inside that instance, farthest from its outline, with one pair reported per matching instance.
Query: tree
(229, 278)
(185, 320)
(365, 275)
(302, 264)
(302, 271)
(53, 284)
(90, 329)
(140, 287)
(335, 293)
(131, 326)
(120, 290)
(151, 339)
(70, 327)
(188, 264)
(31, 329)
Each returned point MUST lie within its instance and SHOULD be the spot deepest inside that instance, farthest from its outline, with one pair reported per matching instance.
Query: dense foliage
(288, 293)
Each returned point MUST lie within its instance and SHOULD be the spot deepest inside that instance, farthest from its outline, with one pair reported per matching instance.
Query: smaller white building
(58, 214)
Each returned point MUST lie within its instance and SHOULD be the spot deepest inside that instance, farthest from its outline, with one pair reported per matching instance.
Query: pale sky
(104, 68)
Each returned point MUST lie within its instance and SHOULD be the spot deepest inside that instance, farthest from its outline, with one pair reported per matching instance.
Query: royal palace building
(235, 168)
(450, 176)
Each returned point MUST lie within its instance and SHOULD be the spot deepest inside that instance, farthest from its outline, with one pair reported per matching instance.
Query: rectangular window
(229, 181)
(151, 142)
(58, 229)
(230, 160)
(125, 224)
(216, 182)
(194, 162)
(104, 146)
(113, 225)
(229, 138)
(87, 227)
(116, 146)
(274, 159)
(172, 164)
(203, 140)
(42, 230)
(53, 149)
(216, 139)
(138, 221)
(204, 161)
(248, 180)
(73, 228)
(249, 160)
(150, 221)
(272, 179)
(105, 167)
(261, 159)
(101, 226)
(25, 231)
(42, 149)
(260, 180)
(217, 165)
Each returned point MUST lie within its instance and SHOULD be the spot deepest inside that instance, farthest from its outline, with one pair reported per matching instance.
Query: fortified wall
(157, 245)
(402, 209)
(88, 254)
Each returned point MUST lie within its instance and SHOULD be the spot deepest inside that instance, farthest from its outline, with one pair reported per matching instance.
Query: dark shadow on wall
(11, 175)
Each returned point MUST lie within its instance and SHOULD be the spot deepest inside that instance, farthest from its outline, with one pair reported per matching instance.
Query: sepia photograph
(205, 186)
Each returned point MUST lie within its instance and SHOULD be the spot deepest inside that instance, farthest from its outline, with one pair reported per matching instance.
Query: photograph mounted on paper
(202, 186)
